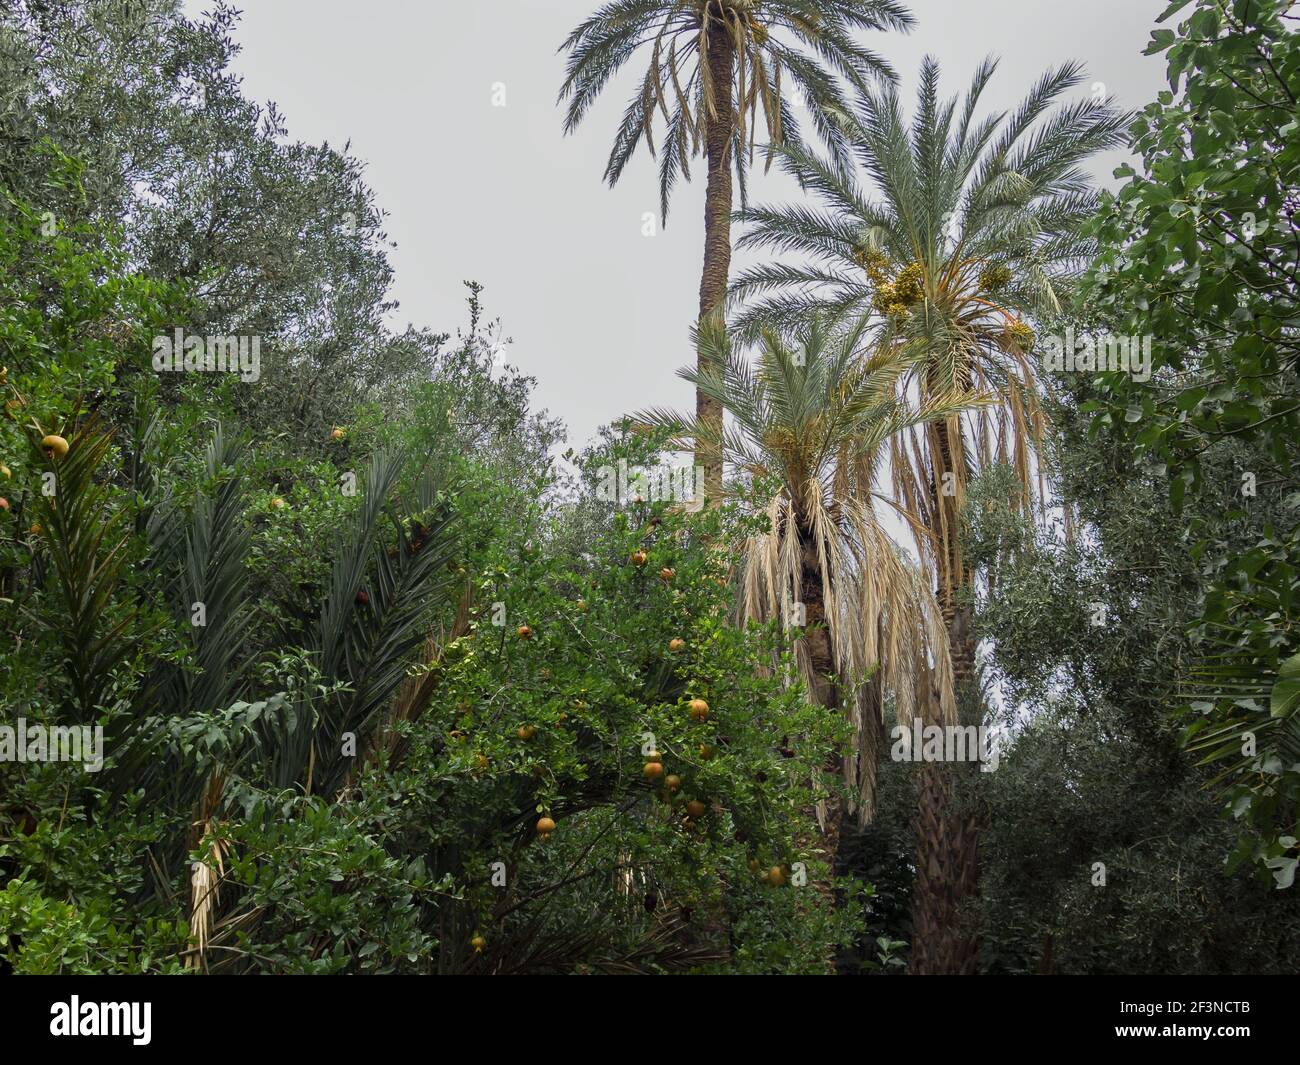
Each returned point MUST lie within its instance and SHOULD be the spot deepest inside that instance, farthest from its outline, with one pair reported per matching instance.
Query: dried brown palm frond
(220, 955)
(932, 465)
(885, 624)
(207, 873)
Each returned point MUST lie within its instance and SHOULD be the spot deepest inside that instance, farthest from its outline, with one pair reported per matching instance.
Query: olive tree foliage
(1105, 853)
(272, 237)
(1201, 252)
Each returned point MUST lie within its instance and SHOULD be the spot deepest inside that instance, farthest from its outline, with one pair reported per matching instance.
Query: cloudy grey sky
(598, 312)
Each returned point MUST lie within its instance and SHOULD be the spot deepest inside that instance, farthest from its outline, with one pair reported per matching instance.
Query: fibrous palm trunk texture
(945, 936)
(719, 123)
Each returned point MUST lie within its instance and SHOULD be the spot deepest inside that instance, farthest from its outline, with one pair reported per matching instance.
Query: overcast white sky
(599, 313)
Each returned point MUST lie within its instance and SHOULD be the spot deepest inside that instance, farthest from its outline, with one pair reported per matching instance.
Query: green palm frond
(815, 389)
(781, 47)
(1251, 702)
(86, 534)
(970, 226)
(207, 549)
(945, 188)
(378, 609)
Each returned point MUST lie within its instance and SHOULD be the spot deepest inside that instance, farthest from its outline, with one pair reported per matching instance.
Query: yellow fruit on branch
(696, 808)
(699, 710)
(478, 943)
(525, 632)
(874, 262)
(277, 503)
(337, 434)
(545, 826)
(994, 277)
(672, 782)
(1020, 334)
(639, 558)
(55, 447)
(909, 286)
(652, 770)
(775, 876)
(526, 732)
(676, 644)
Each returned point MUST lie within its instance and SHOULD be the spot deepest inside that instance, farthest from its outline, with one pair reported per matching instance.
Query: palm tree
(975, 226)
(811, 422)
(713, 64)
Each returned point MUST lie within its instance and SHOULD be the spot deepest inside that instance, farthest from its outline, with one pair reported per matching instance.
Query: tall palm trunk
(945, 936)
(817, 639)
(719, 123)
(954, 577)
(824, 686)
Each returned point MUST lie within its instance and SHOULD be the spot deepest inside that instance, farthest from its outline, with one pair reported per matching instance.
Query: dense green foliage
(386, 684)
(1201, 253)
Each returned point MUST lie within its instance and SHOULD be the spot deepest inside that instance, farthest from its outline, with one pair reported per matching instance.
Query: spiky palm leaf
(367, 641)
(951, 194)
(1248, 728)
(778, 45)
(87, 537)
(198, 556)
(1257, 707)
(208, 547)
